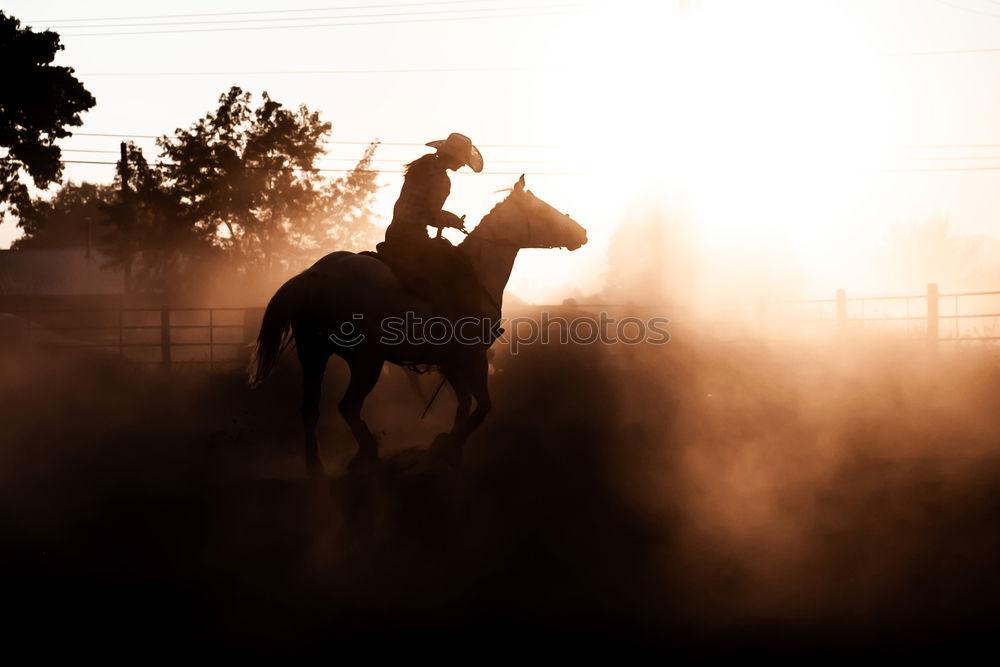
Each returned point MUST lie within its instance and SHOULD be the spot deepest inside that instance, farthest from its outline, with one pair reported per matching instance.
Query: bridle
(529, 224)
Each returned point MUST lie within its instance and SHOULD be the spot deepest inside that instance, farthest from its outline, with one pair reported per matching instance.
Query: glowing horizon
(770, 125)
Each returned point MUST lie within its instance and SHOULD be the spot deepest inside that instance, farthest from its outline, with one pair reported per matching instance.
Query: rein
(529, 227)
(528, 218)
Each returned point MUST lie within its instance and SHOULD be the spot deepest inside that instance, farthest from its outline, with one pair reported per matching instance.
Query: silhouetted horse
(342, 304)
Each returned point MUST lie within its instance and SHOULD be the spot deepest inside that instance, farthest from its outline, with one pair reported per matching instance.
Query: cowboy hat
(460, 146)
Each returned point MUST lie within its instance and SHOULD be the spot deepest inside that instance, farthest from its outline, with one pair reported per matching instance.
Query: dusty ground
(679, 500)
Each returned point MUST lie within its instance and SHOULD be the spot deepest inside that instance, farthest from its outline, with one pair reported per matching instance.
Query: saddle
(435, 270)
(438, 272)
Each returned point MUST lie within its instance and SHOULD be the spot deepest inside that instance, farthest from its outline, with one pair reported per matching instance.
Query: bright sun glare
(767, 135)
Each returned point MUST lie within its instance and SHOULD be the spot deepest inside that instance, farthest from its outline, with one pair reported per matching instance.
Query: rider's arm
(449, 219)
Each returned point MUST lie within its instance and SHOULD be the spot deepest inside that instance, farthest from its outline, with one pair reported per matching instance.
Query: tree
(146, 233)
(247, 179)
(37, 101)
(344, 215)
(237, 191)
(73, 218)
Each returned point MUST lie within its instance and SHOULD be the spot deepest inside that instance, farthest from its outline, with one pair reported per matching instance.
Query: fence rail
(173, 337)
(166, 336)
(932, 315)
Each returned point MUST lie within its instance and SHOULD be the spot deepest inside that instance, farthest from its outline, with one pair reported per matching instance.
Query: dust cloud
(700, 498)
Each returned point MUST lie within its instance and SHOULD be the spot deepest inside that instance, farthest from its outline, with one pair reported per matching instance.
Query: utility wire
(517, 173)
(949, 146)
(325, 25)
(265, 11)
(920, 169)
(127, 135)
(470, 11)
(397, 161)
(335, 159)
(949, 157)
(350, 143)
(434, 70)
(967, 9)
(953, 52)
(362, 171)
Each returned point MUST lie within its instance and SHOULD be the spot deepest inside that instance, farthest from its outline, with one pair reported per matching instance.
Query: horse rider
(426, 186)
(433, 265)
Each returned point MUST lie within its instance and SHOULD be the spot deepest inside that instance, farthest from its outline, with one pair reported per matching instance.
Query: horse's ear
(519, 186)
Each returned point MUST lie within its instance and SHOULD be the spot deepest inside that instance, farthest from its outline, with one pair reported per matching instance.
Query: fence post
(211, 340)
(165, 338)
(932, 315)
(841, 308)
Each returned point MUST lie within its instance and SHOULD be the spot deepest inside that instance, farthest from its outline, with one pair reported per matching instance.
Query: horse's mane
(509, 191)
(493, 210)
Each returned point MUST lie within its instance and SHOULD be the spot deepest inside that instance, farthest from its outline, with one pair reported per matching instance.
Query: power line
(362, 171)
(126, 135)
(948, 146)
(337, 159)
(325, 25)
(55, 23)
(265, 11)
(921, 169)
(471, 10)
(950, 157)
(433, 70)
(517, 173)
(967, 9)
(167, 164)
(492, 161)
(953, 52)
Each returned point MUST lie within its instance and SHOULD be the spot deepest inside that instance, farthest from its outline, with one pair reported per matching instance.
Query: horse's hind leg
(479, 375)
(313, 364)
(364, 374)
(450, 444)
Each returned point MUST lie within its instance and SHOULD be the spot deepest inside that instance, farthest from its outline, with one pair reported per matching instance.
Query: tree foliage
(147, 234)
(343, 217)
(38, 100)
(238, 191)
(246, 178)
(74, 217)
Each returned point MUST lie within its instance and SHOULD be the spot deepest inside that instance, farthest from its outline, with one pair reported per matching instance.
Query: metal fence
(173, 337)
(167, 337)
(954, 317)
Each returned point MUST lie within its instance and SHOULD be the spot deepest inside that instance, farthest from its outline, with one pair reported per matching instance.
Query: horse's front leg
(468, 379)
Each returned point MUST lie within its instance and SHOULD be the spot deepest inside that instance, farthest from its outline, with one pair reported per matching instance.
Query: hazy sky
(769, 122)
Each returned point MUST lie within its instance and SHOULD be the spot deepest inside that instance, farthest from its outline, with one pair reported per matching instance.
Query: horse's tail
(275, 331)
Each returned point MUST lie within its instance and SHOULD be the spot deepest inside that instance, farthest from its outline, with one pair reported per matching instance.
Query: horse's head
(525, 221)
